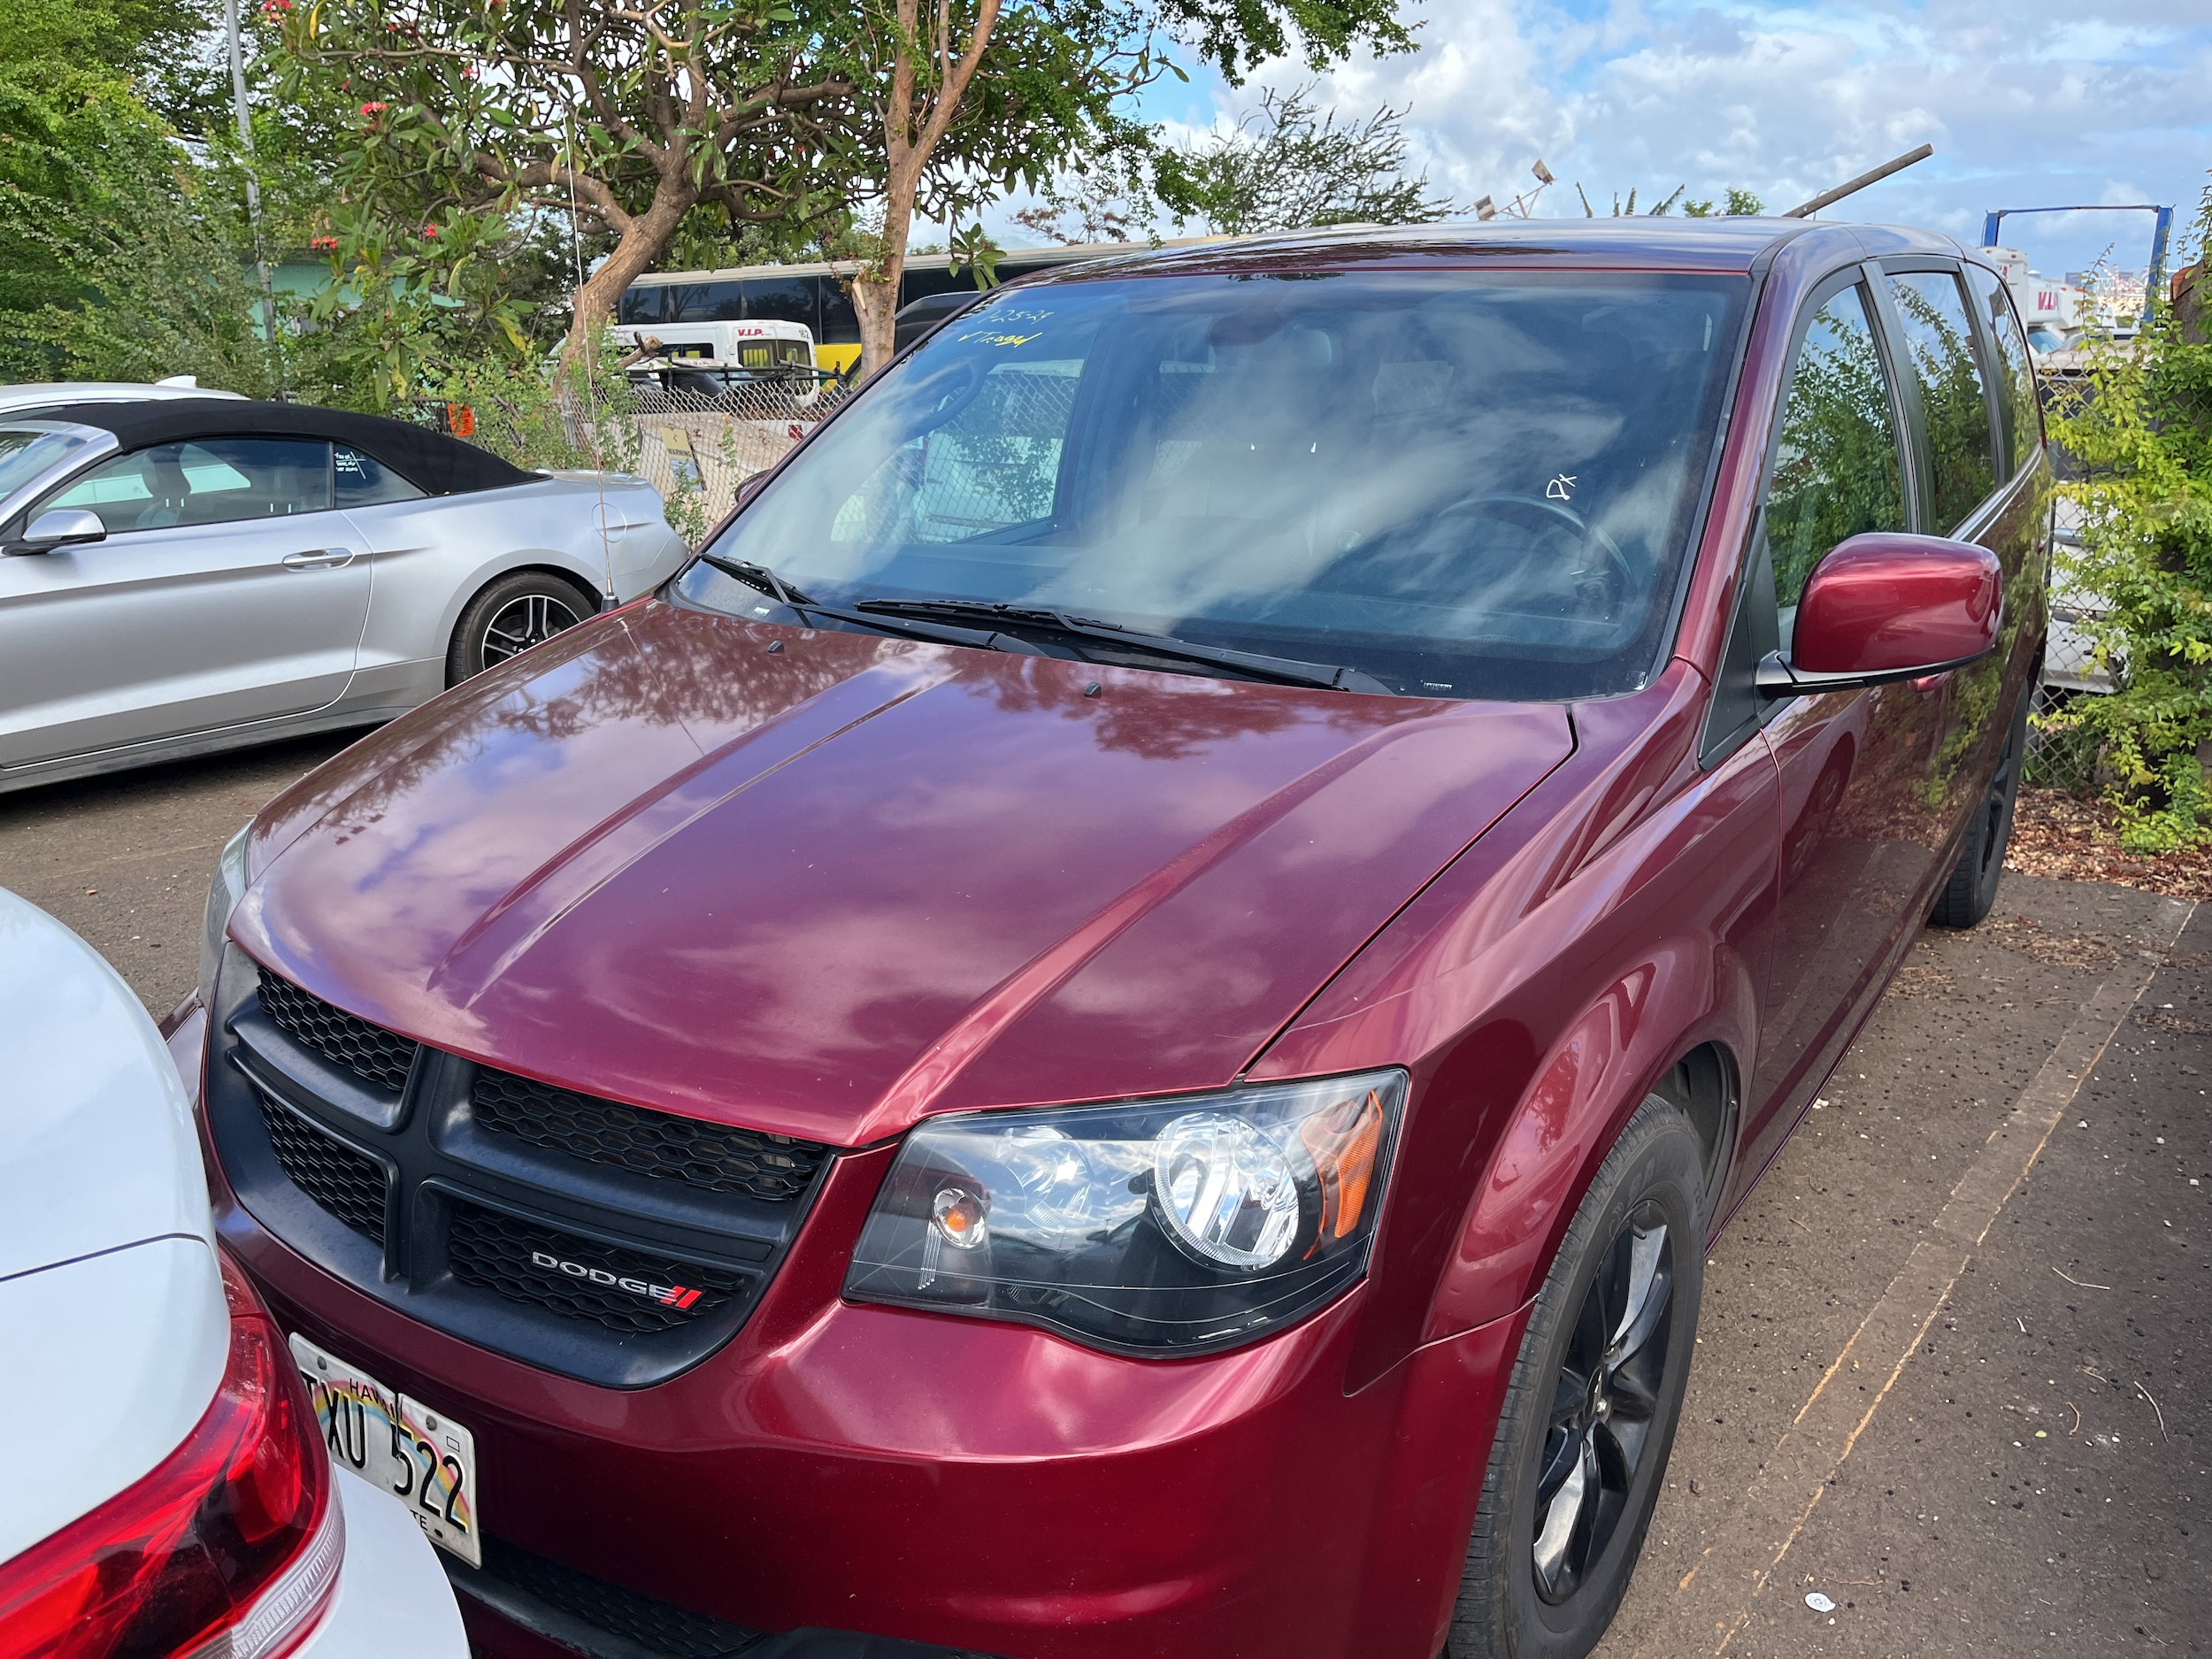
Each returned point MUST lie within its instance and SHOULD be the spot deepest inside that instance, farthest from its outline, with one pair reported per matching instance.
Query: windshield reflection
(1464, 484)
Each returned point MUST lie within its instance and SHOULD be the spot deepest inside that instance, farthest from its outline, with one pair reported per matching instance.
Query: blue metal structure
(2162, 228)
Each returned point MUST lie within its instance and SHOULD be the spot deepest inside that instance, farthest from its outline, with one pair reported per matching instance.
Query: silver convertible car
(198, 574)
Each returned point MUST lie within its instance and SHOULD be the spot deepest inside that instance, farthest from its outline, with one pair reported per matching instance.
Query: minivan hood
(822, 883)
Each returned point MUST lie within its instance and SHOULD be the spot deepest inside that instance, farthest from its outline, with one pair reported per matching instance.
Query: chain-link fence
(706, 440)
(2060, 758)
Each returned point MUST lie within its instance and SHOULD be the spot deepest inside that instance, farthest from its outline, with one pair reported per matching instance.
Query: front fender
(1538, 991)
(1684, 995)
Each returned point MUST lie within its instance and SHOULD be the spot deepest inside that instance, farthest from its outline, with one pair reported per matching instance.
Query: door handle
(322, 559)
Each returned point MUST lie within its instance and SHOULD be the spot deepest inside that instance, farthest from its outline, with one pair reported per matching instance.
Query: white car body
(157, 642)
(36, 396)
(111, 1303)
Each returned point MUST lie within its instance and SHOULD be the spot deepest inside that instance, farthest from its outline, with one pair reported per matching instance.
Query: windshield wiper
(761, 578)
(1288, 669)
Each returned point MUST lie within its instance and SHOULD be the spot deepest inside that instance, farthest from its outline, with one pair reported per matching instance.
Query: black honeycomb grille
(660, 1628)
(711, 1156)
(370, 1052)
(623, 1290)
(352, 1187)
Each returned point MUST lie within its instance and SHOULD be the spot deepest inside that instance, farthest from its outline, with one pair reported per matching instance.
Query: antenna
(1543, 181)
(591, 379)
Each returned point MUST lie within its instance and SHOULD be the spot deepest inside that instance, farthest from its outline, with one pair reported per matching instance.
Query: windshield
(27, 449)
(1465, 486)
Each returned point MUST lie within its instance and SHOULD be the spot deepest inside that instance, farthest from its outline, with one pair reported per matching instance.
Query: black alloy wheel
(511, 616)
(1971, 890)
(1602, 1404)
(1590, 1413)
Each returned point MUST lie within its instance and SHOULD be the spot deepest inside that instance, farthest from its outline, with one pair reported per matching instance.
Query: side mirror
(1885, 606)
(59, 526)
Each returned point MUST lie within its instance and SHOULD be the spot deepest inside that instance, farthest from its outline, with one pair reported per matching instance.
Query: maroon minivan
(1118, 1024)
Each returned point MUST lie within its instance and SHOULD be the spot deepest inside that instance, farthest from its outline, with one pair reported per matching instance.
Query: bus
(811, 296)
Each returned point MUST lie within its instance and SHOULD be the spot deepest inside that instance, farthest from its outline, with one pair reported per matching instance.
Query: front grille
(660, 1628)
(499, 1253)
(774, 1168)
(601, 1241)
(370, 1052)
(349, 1186)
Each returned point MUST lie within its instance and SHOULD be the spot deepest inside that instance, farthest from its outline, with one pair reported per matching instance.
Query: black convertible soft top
(431, 461)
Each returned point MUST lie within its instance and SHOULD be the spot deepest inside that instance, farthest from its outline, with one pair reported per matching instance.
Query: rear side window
(215, 480)
(362, 480)
(2023, 418)
(1835, 471)
(1954, 403)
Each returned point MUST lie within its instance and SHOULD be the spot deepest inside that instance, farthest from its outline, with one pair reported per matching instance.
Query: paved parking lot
(1953, 1374)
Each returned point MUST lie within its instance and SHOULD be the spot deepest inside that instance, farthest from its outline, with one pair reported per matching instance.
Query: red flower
(373, 109)
(324, 244)
(429, 230)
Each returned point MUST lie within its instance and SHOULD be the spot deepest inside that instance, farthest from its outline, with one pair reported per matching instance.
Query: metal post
(1827, 198)
(2154, 281)
(253, 187)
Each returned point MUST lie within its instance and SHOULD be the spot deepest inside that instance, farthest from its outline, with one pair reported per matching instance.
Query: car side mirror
(59, 526)
(1886, 606)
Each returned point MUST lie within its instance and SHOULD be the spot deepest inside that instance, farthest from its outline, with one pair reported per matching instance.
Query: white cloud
(2107, 103)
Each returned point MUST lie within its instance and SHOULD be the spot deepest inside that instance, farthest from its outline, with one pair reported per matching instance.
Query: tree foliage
(2139, 425)
(790, 121)
(1289, 165)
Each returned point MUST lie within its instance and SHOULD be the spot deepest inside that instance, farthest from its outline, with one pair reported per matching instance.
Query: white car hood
(97, 1150)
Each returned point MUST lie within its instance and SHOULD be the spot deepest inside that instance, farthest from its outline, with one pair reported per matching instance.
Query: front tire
(518, 611)
(1590, 1413)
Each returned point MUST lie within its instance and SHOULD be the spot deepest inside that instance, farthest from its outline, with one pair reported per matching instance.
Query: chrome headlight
(223, 893)
(1145, 1226)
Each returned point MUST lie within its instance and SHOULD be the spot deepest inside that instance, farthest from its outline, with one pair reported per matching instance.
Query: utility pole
(253, 189)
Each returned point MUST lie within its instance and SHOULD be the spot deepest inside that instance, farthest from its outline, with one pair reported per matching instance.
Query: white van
(757, 346)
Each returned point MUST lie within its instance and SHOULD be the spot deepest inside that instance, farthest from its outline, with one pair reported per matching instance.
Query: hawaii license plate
(422, 1456)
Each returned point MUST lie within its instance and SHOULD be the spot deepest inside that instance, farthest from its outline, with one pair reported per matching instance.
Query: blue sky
(2025, 104)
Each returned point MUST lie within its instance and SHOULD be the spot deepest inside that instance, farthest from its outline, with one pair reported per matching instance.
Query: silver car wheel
(528, 619)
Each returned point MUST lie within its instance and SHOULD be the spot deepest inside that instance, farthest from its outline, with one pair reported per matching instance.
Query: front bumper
(974, 1487)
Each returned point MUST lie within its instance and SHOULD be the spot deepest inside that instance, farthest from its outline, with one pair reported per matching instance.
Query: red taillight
(229, 1549)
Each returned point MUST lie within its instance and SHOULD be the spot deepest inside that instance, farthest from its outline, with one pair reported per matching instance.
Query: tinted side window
(365, 481)
(1954, 405)
(1835, 467)
(840, 324)
(783, 300)
(2016, 375)
(217, 480)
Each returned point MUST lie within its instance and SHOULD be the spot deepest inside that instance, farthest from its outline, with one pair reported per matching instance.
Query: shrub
(2139, 425)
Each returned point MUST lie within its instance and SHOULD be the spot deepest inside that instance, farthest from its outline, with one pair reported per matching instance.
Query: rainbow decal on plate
(418, 1454)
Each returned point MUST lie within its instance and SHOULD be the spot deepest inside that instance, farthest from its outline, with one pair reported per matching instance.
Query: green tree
(1739, 203)
(2139, 425)
(1288, 165)
(119, 247)
(815, 117)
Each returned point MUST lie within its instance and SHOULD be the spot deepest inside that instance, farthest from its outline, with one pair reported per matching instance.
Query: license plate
(422, 1456)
